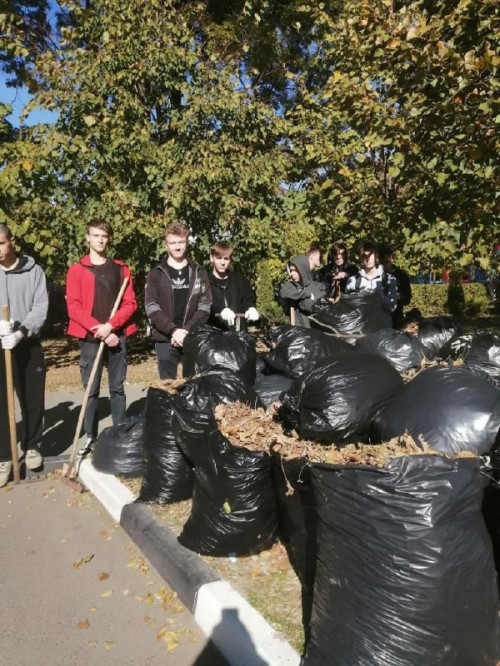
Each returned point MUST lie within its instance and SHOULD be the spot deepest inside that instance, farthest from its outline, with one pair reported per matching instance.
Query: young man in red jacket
(92, 286)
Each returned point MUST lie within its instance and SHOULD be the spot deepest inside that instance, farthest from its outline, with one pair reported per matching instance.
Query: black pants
(29, 371)
(167, 359)
(116, 361)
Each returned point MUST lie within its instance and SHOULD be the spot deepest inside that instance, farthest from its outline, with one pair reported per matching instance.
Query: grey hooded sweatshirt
(302, 295)
(24, 290)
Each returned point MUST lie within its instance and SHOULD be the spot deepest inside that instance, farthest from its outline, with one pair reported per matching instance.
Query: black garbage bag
(402, 350)
(435, 333)
(337, 401)
(355, 314)
(295, 348)
(491, 515)
(207, 347)
(167, 475)
(451, 407)
(297, 525)
(234, 503)
(405, 573)
(118, 449)
(270, 388)
(483, 354)
(192, 428)
(217, 386)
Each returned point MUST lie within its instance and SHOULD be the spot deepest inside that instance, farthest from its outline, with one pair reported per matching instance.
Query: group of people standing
(179, 295)
(310, 281)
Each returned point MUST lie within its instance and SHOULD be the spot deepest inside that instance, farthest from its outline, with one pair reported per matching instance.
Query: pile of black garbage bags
(396, 563)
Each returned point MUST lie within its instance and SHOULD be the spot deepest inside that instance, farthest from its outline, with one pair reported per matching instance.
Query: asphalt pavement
(76, 590)
(240, 634)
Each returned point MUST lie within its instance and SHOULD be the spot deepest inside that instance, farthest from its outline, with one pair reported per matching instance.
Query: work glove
(251, 314)
(228, 316)
(11, 340)
(6, 327)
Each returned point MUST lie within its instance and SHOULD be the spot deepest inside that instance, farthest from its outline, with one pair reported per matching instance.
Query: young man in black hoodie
(231, 291)
(177, 299)
(301, 291)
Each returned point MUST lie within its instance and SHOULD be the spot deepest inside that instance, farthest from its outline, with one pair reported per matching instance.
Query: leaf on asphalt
(194, 636)
(103, 576)
(165, 595)
(170, 638)
(109, 645)
(170, 601)
(83, 560)
(151, 622)
(92, 644)
(93, 609)
(149, 599)
(107, 593)
(64, 540)
(227, 507)
(83, 624)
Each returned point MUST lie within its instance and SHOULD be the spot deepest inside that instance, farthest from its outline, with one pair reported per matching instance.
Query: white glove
(6, 327)
(11, 340)
(252, 315)
(228, 316)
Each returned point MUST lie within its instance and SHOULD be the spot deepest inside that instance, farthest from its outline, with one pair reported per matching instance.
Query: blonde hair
(176, 229)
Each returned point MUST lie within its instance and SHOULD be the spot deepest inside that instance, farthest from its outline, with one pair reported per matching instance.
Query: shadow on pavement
(62, 419)
(241, 645)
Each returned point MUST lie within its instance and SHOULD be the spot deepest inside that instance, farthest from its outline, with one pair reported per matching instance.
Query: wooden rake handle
(97, 360)
(9, 378)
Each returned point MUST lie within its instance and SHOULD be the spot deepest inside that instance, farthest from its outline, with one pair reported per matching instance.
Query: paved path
(58, 609)
(49, 617)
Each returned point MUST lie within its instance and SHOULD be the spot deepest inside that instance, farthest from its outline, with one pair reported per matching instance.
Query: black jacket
(236, 294)
(159, 300)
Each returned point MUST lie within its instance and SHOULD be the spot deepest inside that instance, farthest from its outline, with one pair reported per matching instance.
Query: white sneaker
(5, 470)
(87, 447)
(33, 459)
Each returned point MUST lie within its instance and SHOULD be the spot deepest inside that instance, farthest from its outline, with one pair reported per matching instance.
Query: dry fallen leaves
(83, 560)
(138, 563)
(103, 576)
(169, 637)
(83, 624)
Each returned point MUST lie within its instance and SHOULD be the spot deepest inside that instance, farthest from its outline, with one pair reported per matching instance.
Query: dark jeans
(167, 359)
(29, 369)
(116, 361)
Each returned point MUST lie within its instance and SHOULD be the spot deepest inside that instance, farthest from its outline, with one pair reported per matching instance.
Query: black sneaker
(87, 448)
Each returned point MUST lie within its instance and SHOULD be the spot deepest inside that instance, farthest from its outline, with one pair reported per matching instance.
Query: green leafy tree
(153, 127)
(26, 32)
(399, 142)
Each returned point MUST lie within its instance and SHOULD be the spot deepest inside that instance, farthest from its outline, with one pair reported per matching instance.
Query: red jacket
(80, 286)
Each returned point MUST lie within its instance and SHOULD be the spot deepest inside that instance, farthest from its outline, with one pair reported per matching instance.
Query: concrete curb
(240, 633)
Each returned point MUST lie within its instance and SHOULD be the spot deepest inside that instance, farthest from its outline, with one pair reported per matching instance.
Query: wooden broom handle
(9, 378)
